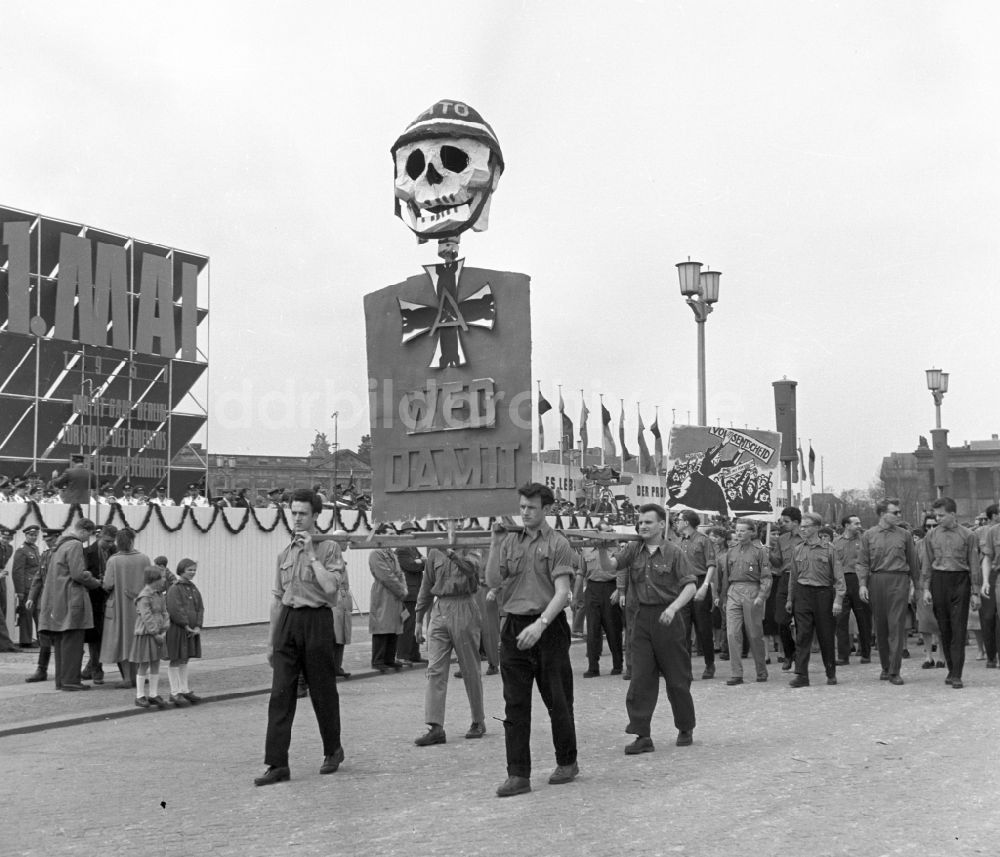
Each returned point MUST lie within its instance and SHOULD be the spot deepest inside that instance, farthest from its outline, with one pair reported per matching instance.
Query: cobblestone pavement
(863, 768)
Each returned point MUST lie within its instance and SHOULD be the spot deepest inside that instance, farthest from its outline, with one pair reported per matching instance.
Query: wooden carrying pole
(455, 538)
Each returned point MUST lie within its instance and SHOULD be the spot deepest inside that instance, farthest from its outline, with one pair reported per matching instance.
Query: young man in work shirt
(535, 568)
(301, 640)
(659, 578)
(447, 591)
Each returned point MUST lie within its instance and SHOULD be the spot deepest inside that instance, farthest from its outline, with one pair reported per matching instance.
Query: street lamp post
(335, 416)
(700, 290)
(937, 383)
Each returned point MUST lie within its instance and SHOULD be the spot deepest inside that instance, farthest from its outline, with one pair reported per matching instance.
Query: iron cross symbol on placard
(449, 316)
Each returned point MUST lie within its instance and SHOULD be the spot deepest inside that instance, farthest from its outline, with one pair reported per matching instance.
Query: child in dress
(186, 611)
(149, 644)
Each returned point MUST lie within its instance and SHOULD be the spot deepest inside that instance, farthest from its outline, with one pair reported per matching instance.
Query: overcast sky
(837, 162)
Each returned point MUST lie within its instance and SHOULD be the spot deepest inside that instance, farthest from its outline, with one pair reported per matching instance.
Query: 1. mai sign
(93, 298)
(449, 360)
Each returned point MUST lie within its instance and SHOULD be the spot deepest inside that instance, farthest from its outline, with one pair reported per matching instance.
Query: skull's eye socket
(453, 159)
(415, 164)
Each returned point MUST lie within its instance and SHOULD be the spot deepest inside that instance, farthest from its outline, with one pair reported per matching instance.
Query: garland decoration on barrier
(116, 510)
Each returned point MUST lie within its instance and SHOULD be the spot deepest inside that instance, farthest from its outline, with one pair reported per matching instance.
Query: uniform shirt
(295, 583)
(593, 572)
(161, 501)
(26, 563)
(783, 550)
(445, 577)
(952, 549)
(744, 564)
(655, 577)
(198, 501)
(845, 553)
(529, 566)
(699, 551)
(989, 545)
(813, 565)
(887, 548)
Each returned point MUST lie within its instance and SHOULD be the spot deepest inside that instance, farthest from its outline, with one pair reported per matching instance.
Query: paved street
(863, 768)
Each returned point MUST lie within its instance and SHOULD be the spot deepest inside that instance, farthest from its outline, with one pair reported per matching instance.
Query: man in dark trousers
(699, 551)
(412, 564)
(888, 567)
(65, 610)
(845, 552)
(604, 616)
(659, 578)
(989, 549)
(781, 552)
(41, 673)
(97, 556)
(535, 570)
(26, 563)
(6, 552)
(815, 598)
(301, 639)
(950, 580)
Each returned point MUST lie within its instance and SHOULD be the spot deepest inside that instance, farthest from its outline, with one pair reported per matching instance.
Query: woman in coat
(123, 581)
(385, 619)
(342, 614)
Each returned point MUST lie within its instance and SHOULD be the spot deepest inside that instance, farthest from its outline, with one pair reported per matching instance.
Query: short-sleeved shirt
(845, 552)
(529, 566)
(886, 548)
(445, 578)
(953, 549)
(698, 549)
(745, 564)
(295, 583)
(989, 544)
(653, 577)
(813, 564)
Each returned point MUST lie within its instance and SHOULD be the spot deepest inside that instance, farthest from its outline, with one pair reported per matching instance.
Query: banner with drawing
(723, 471)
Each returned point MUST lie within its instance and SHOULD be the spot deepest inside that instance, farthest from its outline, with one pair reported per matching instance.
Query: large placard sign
(723, 471)
(449, 363)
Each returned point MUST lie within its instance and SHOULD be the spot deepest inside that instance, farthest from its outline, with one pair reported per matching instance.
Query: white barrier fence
(235, 571)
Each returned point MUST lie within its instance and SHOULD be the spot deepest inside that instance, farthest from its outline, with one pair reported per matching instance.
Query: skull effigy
(447, 164)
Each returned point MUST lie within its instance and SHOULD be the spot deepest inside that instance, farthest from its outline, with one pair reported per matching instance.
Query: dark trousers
(547, 665)
(863, 617)
(25, 624)
(67, 646)
(303, 643)
(406, 645)
(890, 597)
(384, 650)
(813, 608)
(604, 619)
(700, 616)
(659, 650)
(950, 593)
(989, 621)
(782, 618)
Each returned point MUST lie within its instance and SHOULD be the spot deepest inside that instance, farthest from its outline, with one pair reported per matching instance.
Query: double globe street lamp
(701, 291)
(937, 383)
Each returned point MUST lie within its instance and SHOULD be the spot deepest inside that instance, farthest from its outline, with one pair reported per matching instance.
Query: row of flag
(648, 463)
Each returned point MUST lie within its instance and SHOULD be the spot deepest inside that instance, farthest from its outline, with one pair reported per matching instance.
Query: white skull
(444, 185)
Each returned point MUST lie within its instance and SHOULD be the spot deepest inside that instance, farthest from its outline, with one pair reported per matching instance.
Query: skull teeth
(460, 212)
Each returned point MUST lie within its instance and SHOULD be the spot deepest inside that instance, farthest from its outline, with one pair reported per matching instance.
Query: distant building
(973, 477)
(259, 473)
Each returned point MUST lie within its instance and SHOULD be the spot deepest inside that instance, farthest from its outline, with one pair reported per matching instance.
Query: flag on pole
(812, 464)
(658, 442)
(543, 407)
(566, 440)
(645, 463)
(584, 413)
(626, 455)
(607, 442)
